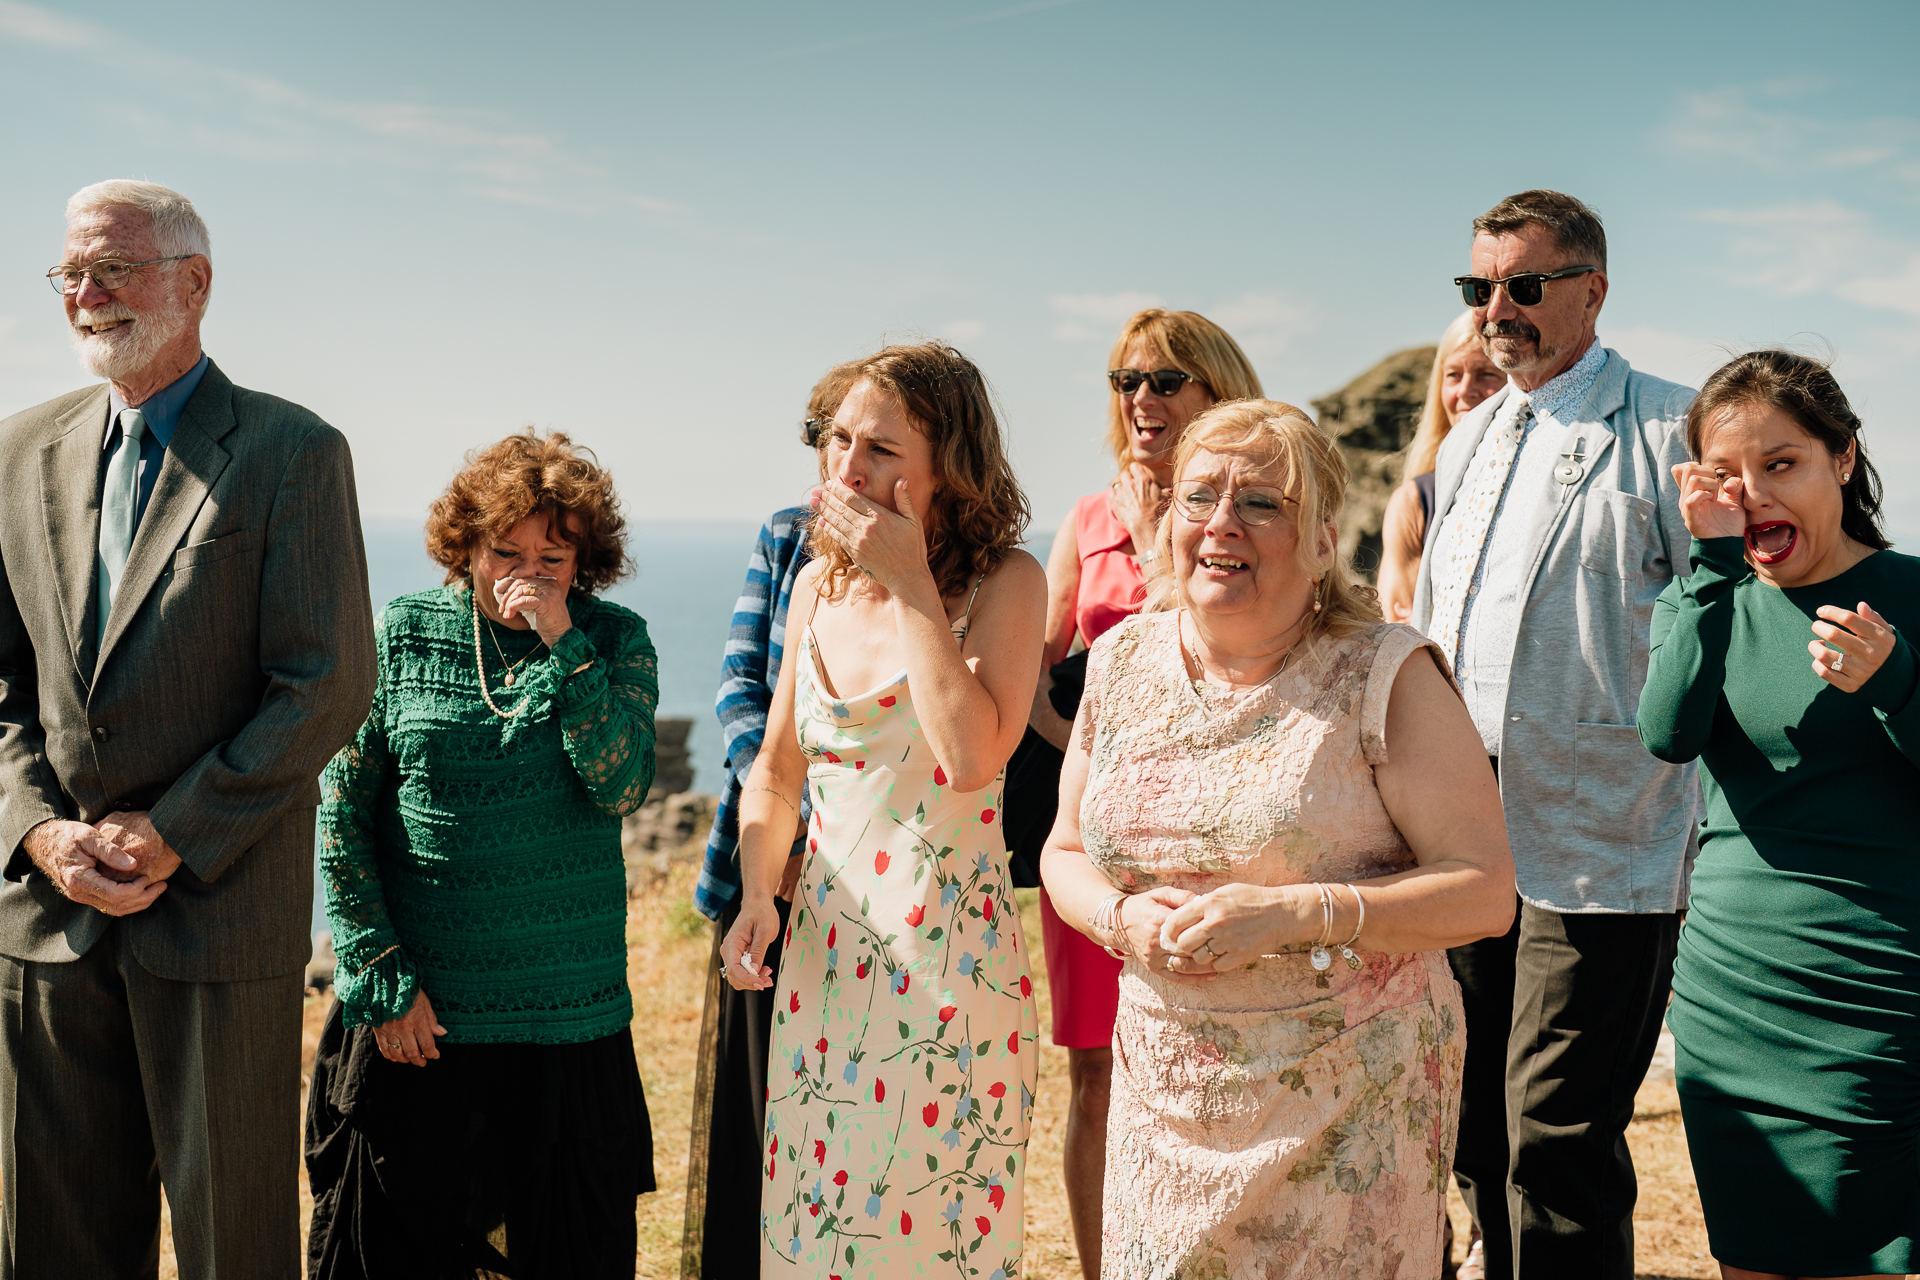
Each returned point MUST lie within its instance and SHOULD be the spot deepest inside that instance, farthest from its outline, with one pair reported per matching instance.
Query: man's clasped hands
(119, 864)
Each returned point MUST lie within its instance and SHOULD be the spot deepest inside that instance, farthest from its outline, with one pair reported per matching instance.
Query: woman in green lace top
(1784, 662)
(475, 1102)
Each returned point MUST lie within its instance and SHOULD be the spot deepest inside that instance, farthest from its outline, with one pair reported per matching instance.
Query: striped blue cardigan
(749, 673)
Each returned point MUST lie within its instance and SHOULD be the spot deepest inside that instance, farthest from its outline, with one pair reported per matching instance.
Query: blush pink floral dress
(903, 1065)
(1275, 1123)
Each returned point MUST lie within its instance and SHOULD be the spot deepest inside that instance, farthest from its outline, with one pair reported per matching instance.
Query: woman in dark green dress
(1796, 1009)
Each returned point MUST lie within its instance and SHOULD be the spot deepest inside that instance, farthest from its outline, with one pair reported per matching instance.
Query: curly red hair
(526, 473)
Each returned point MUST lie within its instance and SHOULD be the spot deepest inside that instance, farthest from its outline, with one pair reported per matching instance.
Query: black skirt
(520, 1160)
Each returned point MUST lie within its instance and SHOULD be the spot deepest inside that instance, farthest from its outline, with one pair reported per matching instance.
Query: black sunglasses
(1524, 288)
(1165, 382)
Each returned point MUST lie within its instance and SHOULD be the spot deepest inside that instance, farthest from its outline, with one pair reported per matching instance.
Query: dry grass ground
(666, 964)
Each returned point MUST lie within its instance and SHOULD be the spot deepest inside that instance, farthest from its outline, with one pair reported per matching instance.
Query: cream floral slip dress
(1277, 1122)
(902, 1067)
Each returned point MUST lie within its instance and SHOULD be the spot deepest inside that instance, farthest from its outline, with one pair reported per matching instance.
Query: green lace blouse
(478, 858)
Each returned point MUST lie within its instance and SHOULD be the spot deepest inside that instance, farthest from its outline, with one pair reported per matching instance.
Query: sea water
(687, 579)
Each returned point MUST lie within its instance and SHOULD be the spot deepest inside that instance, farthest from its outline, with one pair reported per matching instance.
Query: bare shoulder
(1018, 573)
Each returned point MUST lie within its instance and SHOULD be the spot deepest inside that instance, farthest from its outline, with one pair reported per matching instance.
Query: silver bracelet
(1346, 948)
(1104, 922)
(1318, 955)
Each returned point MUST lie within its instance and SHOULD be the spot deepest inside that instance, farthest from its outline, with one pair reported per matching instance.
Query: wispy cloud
(1771, 128)
(247, 116)
(1822, 246)
(1096, 317)
(1264, 324)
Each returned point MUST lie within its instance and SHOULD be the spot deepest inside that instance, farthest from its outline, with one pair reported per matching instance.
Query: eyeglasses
(812, 429)
(1523, 288)
(1165, 382)
(1256, 504)
(108, 273)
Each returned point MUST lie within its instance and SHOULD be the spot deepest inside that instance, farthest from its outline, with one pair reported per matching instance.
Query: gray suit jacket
(238, 658)
(1597, 824)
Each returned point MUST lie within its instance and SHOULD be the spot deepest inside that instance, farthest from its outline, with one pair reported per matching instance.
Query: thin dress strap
(963, 625)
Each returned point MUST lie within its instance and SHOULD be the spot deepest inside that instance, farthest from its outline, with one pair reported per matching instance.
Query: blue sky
(655, 225)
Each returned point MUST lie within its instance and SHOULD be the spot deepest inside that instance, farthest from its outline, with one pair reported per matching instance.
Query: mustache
(1515, 328)
(115, 310)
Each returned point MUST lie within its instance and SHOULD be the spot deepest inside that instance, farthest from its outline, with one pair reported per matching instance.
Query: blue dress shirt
(162, 412)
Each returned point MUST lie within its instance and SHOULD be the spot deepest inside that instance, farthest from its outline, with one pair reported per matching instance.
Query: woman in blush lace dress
(1274, 807)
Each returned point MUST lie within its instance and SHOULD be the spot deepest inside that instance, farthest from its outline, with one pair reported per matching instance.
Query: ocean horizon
(687, 578)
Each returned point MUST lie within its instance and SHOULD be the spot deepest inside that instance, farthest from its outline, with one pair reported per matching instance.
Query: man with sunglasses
(185, 640)
(1557, 524)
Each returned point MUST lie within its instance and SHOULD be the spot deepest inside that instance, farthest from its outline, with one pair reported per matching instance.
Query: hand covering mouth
(1772, 542)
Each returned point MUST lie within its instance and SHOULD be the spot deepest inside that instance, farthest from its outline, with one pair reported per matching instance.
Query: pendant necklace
(479, 666)
(1200, 685)
(511, 668)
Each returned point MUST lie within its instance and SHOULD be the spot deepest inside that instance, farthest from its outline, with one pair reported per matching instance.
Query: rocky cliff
(1372, 420)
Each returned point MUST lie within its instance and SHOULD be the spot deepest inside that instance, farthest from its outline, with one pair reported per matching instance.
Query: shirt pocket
(1614, 528)
(1621, 793)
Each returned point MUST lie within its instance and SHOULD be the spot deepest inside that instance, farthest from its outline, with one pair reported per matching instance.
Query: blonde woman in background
(1273, 807)
(1166, 368)
(1463, 376)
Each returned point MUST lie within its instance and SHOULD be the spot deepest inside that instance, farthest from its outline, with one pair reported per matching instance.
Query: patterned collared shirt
(749, 673)
(1491, 616)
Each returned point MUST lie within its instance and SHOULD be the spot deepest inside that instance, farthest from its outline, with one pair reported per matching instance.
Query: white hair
(176, 225)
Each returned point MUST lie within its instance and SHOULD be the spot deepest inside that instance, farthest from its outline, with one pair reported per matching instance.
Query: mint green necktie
(119, 512)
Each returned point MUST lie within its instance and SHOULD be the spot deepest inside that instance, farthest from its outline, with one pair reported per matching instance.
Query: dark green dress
(1796, 1009)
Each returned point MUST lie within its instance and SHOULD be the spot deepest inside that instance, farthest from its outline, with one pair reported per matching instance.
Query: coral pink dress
(1275, 1122)
(1084, 980)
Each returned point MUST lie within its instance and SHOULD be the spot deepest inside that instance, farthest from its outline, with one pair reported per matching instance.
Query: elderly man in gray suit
(1557, 524)
(185, 639)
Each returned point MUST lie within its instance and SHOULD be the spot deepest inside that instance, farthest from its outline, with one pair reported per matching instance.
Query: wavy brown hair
(978, 513)
(1282, 441)
(503, 484)
(1805, 390)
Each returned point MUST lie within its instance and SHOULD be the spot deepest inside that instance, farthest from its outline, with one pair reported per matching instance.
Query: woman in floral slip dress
(902, 1066)
(1254, 763)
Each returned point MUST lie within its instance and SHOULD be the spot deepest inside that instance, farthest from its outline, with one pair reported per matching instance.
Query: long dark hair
(1805, 390)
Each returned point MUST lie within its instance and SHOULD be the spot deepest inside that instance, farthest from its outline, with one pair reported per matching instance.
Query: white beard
(122, 352)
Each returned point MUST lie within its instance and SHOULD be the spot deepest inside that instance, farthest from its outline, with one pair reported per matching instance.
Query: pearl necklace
(479, 666)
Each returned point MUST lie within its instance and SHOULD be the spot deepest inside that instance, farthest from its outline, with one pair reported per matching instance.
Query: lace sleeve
(605, 704)
(375, 980)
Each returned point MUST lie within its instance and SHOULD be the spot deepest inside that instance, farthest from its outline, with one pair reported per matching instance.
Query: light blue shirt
(1491, 615)
(162, 412)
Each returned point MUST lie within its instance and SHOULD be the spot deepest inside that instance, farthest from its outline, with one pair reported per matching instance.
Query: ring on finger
(1839, 660)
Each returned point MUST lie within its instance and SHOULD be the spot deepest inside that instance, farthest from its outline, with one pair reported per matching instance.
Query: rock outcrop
(672, 767)
(1372, 420)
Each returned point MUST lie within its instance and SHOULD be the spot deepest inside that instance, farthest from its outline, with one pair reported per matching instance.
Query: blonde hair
(1433, 419)
(978, 514)
(1283, 440)
(1189, 342)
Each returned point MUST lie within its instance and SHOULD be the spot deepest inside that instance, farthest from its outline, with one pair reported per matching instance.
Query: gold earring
(1316, 595)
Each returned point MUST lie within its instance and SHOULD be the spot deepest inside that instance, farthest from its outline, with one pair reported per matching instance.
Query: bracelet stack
(1319, 956)
(1104, 922)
